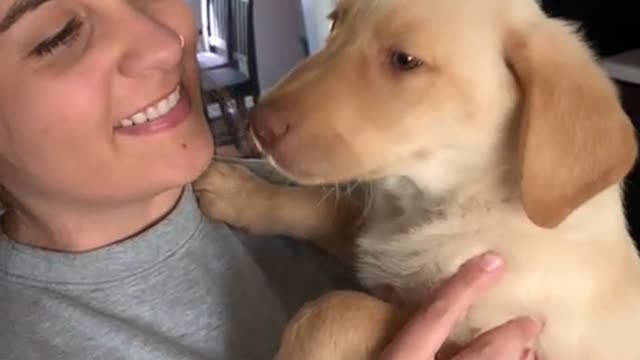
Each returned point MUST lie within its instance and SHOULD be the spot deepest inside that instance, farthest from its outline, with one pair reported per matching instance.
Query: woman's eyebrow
(17, 11)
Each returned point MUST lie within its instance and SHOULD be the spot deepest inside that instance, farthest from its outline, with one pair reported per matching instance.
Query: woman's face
(89, 109)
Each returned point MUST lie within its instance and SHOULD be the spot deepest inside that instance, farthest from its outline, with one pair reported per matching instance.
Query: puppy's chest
(410, 244)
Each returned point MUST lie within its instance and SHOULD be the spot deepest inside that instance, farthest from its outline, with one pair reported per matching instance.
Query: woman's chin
(191, 161)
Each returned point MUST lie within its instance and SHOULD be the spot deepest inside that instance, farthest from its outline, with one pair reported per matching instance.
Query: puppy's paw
(233, 194)
(222, 177)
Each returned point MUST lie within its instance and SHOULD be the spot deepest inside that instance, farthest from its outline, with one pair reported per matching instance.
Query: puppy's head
(443, 86)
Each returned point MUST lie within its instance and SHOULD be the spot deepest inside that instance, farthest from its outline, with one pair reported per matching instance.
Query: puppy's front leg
(233, 194)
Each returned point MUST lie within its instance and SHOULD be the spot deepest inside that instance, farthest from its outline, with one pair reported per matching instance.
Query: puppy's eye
(405, 62)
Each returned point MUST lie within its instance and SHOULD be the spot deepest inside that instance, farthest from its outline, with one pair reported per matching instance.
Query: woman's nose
(152, 47)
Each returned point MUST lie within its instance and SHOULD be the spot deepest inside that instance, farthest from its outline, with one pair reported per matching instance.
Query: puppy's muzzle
(269, 127)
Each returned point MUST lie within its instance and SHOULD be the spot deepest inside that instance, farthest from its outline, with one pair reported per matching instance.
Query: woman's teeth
(155, 111)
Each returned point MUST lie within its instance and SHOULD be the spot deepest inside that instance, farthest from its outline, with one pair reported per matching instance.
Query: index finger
(425, 333)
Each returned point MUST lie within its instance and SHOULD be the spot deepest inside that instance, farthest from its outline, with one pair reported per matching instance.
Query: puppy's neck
(466, 189)
(485, 192)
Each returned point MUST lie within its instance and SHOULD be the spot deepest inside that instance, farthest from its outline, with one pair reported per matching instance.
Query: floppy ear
(575, 139)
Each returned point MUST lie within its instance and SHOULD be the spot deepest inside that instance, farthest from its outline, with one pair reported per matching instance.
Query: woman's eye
(64, 37)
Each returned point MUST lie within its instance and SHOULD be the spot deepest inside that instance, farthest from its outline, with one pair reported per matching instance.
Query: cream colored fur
(509, 138)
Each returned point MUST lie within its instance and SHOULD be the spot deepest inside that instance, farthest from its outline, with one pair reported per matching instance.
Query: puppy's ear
(575, 139)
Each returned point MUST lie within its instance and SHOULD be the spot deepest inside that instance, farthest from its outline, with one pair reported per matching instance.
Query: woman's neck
(77, 230)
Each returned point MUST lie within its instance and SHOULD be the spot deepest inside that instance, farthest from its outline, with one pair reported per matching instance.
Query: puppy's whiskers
(336, 201)
(352, 187)
(325, 196)
(368, 202)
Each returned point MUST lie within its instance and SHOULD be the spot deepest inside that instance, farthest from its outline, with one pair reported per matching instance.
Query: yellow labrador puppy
(481, 125)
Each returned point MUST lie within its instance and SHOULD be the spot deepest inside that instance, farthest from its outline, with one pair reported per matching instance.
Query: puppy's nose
(269, 127)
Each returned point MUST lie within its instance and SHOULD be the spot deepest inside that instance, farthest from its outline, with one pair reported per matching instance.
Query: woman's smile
(164, 114)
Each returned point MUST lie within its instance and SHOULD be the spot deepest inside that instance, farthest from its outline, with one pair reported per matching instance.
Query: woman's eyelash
(64, 37)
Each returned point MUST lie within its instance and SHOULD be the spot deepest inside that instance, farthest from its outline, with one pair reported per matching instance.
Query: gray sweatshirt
(188, 288)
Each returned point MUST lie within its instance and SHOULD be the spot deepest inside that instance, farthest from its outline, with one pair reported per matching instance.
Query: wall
(195, 6)
(279, 30)
(316, 22)
(611, 26)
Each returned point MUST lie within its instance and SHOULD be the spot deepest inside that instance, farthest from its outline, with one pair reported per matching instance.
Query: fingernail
(537, 330)
(540, 322)
(528, 355)
(490, 262)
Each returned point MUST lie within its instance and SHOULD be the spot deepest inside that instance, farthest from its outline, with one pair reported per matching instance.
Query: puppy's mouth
(309, 173)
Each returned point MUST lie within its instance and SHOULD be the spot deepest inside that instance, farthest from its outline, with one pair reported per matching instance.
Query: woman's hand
(425, 334)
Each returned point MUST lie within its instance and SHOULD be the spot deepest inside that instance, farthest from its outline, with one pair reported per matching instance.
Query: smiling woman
(103, 251)
(79, 69)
